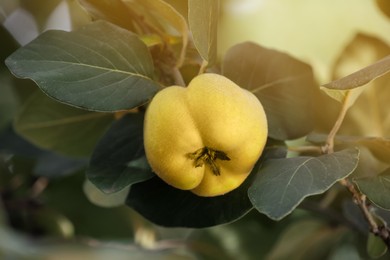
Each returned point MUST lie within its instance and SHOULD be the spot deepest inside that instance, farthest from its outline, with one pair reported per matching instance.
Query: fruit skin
(211, 112)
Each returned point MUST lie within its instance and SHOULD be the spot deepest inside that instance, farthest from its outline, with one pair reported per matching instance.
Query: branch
(329, 147)
(360, 199)
(381, 231)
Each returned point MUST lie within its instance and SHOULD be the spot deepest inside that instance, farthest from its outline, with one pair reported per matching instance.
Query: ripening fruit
(205, 138)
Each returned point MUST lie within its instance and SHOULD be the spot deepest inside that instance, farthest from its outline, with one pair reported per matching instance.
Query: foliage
(74, 109)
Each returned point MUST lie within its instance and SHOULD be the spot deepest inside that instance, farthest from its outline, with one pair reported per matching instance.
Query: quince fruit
(205, 138)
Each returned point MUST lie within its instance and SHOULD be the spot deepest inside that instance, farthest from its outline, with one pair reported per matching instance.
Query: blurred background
(49, 211)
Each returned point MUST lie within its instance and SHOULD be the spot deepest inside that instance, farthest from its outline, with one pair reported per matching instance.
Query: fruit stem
(208, 156)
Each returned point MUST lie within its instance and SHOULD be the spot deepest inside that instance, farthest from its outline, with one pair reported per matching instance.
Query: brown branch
(381, 231)
(329, 146)
(360, 199)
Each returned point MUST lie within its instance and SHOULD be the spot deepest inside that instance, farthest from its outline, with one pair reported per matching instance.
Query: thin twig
(203, 67)
(360, 199)
(177, 77)
(329, 148)
(381, 231)
(305, 149)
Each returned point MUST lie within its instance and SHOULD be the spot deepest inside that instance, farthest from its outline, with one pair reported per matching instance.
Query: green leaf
(281, 184)
(375, 246)
(102, 199)
(203, 16)
(165, 12)
(9, 100)
(361, 77)
(52, 165)
(167, 206)
(306, 239)
(60, 128)
(285, 86)
(119, 158)
(171, 207)
(377, 188)
(344, 252)
(100, 67)
(238, 240)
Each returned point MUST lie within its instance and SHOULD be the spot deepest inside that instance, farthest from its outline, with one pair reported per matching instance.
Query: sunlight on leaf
(285, 86)
(377, 188)
(281, 184)
(100, 67)
(60, 128)
(114, 11)
(203, 16)
(352, 80)
(344, 96)
(163, 11)
(361, 77)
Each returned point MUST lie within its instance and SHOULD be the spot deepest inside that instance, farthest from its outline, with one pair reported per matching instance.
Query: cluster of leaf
(100, 77)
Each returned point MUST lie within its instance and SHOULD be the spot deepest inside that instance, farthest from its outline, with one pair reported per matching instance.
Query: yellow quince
(206, 137)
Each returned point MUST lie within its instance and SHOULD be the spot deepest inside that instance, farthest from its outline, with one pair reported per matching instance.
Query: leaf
(167, 206)
(284, 85)
(347, 251)
(9, 100)
(371, 103)
(362, 51)
(245, 232)
(163, 11)
(361, 77)
(170, 207)
(384, 6)
(114, 11)
(60, 128)
(40, 10)
(316, 32)
(203, 16)
(353, 214)
(102, 199)
(281, 184)
(51, 165)
(7, 7)
(377, 188)
(378, 146)
(306, 239)
(12, 143)
(347, 97)
(100, 67)
(119, 158)
(375, 246)
(132, 14)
